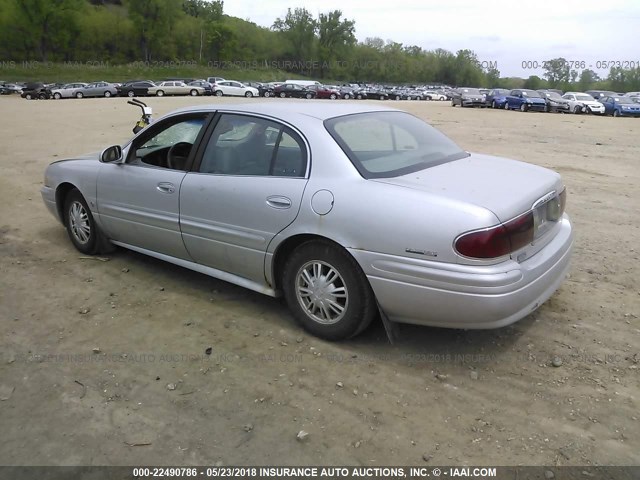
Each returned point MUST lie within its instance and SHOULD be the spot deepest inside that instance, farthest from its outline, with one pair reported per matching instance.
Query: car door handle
(166, 187)
(278, 201)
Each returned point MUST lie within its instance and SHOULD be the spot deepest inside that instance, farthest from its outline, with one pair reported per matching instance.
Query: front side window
(168, 145)
(389, 144)
(253, 146)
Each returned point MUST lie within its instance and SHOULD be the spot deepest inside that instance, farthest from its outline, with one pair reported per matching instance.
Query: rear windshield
(390, 144)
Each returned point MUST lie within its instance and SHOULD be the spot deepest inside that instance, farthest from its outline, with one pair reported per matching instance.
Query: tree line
(324, 47)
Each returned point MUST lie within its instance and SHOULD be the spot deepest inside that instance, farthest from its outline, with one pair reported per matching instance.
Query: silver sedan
(350, 212)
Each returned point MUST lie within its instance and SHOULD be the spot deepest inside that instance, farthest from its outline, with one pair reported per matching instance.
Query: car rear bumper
(49, 198)
(472, 297)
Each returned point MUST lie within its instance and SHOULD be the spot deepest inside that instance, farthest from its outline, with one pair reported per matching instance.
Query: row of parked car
(599, 102)
(222, 87)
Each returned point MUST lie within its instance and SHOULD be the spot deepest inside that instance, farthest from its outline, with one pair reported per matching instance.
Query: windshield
(625, 101)
(389, 144)
(531, 93)
(585, 98)
(470, 91)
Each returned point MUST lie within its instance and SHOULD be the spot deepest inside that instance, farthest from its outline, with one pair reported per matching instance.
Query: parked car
(323, 91)
(620, 106)
(582, 102)
(208, 87)
(302, 209)
(525, 100)
(67, 91)
(175, 88)
(9, 89)
(135, 89)
(467, 97)
(376, 93)
(413, 94)
(347, 92)
(294, 91)
(36, 91)
(554, 102)
(496, 98)
(213, 80)
(600, 93)
(435, 95)
(264, 89)
(97, 89)
(233, 88)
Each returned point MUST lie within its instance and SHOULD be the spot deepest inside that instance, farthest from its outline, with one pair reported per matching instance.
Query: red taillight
(499, 240)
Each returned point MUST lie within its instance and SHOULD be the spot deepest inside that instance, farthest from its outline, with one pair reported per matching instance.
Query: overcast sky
(507, 32)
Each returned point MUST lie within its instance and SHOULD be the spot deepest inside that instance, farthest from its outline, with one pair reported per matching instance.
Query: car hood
(87, 158)
(505, 187)
(591, 103)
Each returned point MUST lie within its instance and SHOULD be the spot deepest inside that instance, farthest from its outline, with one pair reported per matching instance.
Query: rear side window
(389, 144)
(246, 145)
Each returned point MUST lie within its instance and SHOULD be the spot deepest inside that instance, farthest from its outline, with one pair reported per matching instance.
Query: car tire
(283, 95)
(42, 96)
(131, 93)
(577, 109)
(347, 96)
(359, 97)
(506, 106)
(333, 96)
(81, 227)
(219, 93)
(28, 96)
(107, 94)
(308, 96)
(57, 96)
(381, 97)
(347, 291)
(616, 113)
(523, 107)
(193, 92)
(160, 93)
(267, 94)
(493, 104)
(248, 94)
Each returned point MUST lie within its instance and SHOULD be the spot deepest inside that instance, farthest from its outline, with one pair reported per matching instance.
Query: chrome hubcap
(79, 222)
(321, 292)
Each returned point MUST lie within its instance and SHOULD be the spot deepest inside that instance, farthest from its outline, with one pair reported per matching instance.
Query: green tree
(335, 37)
(587, 79)
(534, 82)
(299, 29)
(492, 77)
(46, 25)
(154, 21)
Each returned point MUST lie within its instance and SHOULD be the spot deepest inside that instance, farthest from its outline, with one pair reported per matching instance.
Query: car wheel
(359, 97)
(42, 96)
(523, 107)
(79, 95)
(219, 93)
(506, 106)
(347, 96)
(248, 94)
(282, 94)
(327, 292)
(267, 94)
(28, 96)
(333, 96)
(381, 97)
(80, 225)
(57, 96)
(577, 109)
(397, 97)
(107, 94)
(493, 104)
(131, 93)
(308, 96)
(193, 93)
(160, 93)
(616, 113)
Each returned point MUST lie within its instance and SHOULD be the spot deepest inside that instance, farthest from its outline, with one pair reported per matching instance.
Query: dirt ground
(105, 362)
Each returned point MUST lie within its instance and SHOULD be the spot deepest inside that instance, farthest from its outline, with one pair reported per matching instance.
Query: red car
(323, 91)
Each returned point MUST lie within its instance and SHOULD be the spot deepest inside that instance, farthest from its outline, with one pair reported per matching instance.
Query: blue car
(620, 106)
(525, 100)
(496, 98)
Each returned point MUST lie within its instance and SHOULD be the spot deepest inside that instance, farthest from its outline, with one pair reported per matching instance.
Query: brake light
(499, 240)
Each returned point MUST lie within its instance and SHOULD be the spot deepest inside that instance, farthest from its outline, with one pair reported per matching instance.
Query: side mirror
(111, 154)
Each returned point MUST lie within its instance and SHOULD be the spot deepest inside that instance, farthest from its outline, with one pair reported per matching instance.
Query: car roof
(286, 110)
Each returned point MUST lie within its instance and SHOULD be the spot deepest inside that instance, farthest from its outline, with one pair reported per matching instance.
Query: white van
(303, 83)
